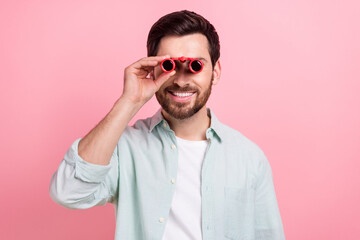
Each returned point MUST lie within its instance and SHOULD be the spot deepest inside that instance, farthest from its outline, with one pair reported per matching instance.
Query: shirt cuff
(85, 171)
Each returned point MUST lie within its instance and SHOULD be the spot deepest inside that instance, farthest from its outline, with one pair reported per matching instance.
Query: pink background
(290, 83)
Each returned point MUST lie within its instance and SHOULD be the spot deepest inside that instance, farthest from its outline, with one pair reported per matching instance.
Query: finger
(149, 61)
(157, 58)
(150, 74)
(163, 78)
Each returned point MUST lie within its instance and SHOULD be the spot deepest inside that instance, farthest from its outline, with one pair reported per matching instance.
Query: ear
(216, 72)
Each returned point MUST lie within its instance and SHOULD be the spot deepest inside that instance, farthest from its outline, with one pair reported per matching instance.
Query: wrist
(127, 104)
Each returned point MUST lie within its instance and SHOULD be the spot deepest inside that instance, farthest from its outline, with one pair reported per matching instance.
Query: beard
(182, 110)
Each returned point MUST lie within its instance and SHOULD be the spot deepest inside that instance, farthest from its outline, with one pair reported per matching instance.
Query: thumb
(163, 78)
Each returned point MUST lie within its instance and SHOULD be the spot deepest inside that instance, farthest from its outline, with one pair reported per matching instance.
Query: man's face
(185, 93)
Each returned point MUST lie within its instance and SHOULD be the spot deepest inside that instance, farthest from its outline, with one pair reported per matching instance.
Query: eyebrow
(202, 59)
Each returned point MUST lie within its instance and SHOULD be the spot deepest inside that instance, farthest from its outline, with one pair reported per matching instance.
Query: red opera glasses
(195, 65)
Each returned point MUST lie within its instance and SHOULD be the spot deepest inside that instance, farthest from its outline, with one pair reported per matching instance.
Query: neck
(193, 128)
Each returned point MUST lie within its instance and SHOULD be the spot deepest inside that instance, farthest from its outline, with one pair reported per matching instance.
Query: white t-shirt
(184, 221)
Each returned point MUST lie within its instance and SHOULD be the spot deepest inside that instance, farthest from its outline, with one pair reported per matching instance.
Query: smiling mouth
(182, 94)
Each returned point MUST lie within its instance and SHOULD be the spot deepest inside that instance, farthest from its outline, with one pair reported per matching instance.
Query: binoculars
(195, 65)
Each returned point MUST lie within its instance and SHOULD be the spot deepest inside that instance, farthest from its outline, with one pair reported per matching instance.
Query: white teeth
(182, 94)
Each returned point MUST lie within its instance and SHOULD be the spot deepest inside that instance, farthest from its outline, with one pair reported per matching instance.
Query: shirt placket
(207, 205)
(172, 173)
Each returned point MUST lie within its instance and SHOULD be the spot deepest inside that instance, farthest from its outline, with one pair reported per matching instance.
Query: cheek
(207, 75)
(205, 80)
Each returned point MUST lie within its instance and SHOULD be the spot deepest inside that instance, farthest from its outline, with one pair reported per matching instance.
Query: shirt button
(172, 180)
(173, 146)
(161, 220)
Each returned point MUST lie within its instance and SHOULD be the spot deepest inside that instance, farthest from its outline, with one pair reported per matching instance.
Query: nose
(181, 79)
(181, 76)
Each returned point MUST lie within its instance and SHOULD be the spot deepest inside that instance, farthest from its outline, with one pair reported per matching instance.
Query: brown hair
(182, 23)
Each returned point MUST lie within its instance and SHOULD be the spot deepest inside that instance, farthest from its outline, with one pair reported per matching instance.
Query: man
(180, 174)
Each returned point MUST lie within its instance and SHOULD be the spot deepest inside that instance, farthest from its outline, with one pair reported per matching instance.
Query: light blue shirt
(237, 191)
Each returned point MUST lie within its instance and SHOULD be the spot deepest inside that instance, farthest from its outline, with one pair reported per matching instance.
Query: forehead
(191, 45)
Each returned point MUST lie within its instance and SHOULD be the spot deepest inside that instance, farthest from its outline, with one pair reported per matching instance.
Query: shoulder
(233, 140)
(135, 137)
(242, 146)
(139, 129)
(235, 137)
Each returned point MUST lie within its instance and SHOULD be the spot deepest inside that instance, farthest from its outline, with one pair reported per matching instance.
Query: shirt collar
(215, 128)
(156, 120)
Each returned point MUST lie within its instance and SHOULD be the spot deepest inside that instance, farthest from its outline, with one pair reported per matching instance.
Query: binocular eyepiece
(195, 65)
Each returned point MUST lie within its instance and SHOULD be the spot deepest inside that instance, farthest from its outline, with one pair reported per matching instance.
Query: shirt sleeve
(268, 224)
(78, 184)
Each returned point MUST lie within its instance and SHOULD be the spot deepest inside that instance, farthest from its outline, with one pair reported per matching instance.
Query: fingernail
(172, 73)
